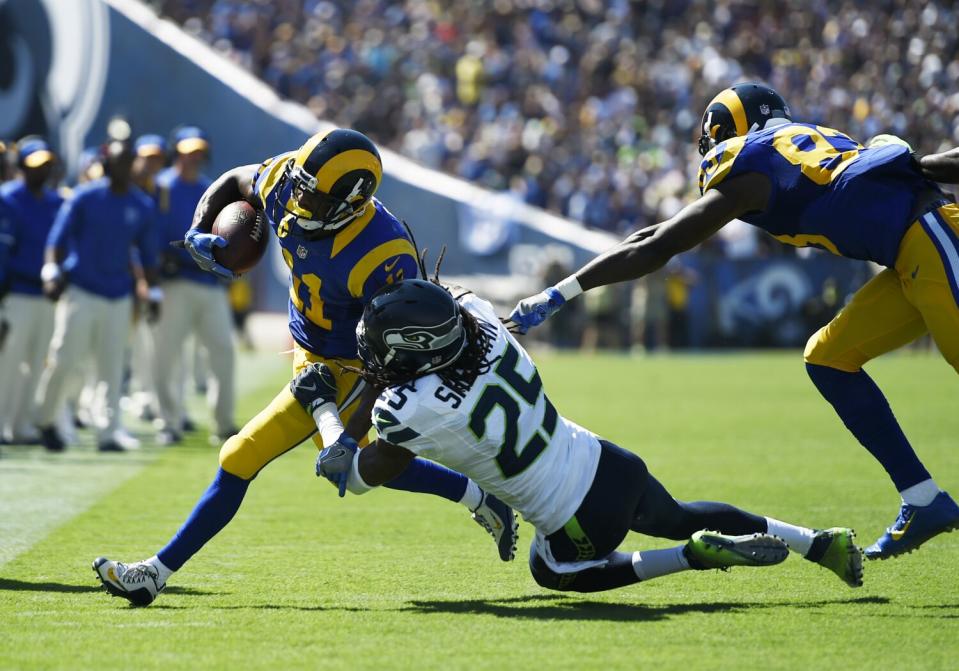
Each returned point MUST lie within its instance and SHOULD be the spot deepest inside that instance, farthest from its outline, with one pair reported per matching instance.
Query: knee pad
(816, 350)
(235, 458)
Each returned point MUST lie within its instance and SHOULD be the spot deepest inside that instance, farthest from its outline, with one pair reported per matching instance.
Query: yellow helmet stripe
(365, 266)
(731, 101)
(303, 153)
(339, 165)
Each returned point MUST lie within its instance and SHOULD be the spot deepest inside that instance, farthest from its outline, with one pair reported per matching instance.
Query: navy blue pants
(625, 497)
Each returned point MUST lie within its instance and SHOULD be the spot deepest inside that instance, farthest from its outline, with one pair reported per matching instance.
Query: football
(244, 229)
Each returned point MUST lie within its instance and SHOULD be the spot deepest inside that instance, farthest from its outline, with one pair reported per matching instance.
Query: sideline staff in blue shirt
(90, 248)
(32, 206)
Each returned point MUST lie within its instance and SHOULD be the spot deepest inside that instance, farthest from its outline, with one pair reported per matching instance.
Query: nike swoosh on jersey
(389, 266)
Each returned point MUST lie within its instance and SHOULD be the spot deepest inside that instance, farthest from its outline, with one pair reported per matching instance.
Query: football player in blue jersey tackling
(341, 246)
(813, 186)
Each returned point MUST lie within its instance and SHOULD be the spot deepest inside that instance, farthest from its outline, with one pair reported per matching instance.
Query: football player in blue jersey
(341, 245)
(813, 186)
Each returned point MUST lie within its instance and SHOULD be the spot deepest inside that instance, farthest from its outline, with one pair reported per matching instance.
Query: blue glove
(534, 310)
(200, 245)
(336, 462)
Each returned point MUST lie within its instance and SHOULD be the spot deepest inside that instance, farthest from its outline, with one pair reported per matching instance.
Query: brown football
(244, 229)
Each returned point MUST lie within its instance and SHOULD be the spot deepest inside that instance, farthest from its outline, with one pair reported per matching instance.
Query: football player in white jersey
(459, 389)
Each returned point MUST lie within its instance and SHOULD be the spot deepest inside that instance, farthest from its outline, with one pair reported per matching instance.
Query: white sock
(473, 496)
(162, 571)
(799, 539)
(920, 494)
(650, 564)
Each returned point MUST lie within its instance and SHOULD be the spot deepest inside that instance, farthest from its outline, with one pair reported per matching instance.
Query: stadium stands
(577, 106)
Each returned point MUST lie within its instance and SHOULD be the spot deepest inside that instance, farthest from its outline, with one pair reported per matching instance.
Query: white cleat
(138, 583)
(499, 520)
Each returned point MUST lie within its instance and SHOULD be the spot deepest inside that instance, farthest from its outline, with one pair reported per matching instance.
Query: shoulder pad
(394, 407)
(718, 162)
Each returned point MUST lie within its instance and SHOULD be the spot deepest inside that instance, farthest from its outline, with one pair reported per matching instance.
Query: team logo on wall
(54, 57)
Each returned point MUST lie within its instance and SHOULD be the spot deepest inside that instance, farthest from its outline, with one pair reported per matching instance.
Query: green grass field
(302, 579)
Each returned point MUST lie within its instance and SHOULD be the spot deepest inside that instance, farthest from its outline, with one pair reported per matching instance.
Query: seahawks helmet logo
(424, 338)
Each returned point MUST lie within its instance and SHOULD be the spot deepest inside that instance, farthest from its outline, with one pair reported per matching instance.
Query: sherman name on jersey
(827, 190)
(504, 433)
(332, 277)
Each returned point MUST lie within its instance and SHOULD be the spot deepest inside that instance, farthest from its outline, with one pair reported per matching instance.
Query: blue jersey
(333, 278)
(176, 200)
(827, 190)
(8, 239)
(98, 229)
(30, 221)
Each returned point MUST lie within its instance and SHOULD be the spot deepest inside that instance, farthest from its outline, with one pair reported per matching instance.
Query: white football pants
(86, 324)
(203, 310)
(22, 360)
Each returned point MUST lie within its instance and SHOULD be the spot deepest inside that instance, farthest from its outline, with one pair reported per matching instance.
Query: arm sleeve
(147, 241)
(68, 221)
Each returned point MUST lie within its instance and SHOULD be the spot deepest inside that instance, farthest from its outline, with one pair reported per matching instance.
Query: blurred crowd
(98, 313)
(590, 108)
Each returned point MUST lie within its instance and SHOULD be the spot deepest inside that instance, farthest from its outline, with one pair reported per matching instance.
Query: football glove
(534, 310)
(200, 245)
(335, 462)
(313, 386)
(886, 138)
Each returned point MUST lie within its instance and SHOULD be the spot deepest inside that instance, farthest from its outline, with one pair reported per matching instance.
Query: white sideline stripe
(951, 253)
(397, 166)
(40, 492)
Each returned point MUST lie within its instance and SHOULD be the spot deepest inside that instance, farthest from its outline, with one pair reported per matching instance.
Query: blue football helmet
(738, 110)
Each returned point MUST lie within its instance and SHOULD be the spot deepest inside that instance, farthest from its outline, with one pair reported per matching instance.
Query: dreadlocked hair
(472, 362)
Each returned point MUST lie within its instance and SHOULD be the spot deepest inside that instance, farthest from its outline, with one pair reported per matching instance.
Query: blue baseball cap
(150, 145)
(35, 152)
(189, 139)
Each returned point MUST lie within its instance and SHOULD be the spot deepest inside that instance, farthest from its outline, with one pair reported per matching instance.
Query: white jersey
(504, 434)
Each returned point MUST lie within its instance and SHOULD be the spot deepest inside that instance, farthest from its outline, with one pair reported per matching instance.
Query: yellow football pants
(919, 295)
(284, 424)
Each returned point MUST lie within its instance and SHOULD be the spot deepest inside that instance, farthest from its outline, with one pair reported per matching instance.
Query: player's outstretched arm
(650, 248)
(942, 167)
(361, 470)
(381, 462)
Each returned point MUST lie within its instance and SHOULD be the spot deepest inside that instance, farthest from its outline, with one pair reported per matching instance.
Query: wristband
(569, 288)
(155, 295)
(328, 422)
(50, 271)
(355, 483)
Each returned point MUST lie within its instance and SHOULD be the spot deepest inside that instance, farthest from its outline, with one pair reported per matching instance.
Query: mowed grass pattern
(302, 579)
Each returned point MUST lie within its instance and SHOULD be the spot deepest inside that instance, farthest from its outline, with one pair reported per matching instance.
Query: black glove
(313, 386)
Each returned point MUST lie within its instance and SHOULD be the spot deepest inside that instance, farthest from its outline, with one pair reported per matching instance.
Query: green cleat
(709, 549)
(836, 550)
